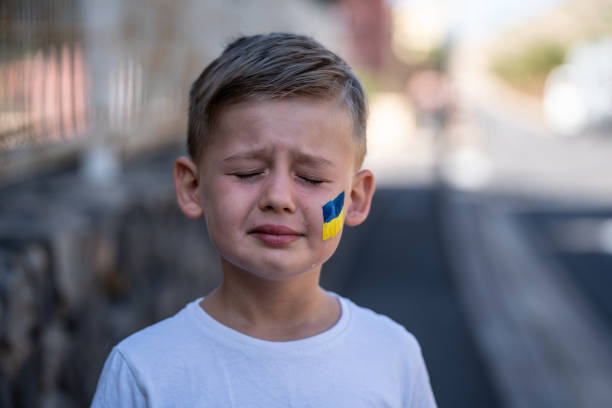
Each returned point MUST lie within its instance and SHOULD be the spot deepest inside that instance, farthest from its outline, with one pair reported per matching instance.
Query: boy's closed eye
(312, 174)
(253, 174)
(248, 174)
(311, 180)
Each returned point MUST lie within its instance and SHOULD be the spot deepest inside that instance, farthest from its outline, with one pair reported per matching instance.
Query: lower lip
(276, 240)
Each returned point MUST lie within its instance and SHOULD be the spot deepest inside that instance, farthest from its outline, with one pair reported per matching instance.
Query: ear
(361, 198)
(186, 185)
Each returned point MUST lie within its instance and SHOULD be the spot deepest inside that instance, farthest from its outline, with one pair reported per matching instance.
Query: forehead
(307, 125)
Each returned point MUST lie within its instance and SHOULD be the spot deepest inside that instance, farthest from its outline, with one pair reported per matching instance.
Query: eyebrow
(301, 157)
(311, 159)
(251, 154)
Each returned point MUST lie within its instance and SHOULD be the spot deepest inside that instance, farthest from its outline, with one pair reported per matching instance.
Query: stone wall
(81, 267)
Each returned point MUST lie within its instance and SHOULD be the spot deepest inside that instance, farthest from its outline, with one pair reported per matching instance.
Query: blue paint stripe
(333, 208)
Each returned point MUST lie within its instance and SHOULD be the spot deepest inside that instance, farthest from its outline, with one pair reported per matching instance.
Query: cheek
(223, 193)
(328, 248)
(314, 218)
(221, 207)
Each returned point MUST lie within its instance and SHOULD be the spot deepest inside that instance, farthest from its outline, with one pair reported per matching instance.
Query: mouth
(275, 235)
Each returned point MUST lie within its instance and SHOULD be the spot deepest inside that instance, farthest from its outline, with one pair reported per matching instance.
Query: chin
(279, 272)
(273, 269)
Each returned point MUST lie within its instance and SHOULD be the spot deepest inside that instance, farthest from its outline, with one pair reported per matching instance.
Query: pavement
(545, 342)
(507, 131)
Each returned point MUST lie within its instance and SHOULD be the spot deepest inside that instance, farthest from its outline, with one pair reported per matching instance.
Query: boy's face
(264, 177)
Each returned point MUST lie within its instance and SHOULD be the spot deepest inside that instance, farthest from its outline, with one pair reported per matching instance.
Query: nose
(277, 194)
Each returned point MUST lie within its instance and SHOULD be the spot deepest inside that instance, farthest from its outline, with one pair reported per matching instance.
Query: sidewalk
(522, 155)
(545, 344)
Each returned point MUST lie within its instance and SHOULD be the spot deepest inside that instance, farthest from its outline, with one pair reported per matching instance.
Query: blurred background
(490, 135)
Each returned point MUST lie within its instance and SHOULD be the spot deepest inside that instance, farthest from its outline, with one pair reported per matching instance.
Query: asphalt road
(533, 258)
(581, 238)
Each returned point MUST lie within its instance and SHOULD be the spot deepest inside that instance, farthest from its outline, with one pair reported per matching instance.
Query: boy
(276, 138)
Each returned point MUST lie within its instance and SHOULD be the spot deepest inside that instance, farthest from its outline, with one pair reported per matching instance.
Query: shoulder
(380, 329)
(387, 350)
(118, 385)
(160, 340)
(133, 368)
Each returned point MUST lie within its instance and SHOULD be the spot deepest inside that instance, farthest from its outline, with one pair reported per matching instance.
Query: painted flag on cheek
(333, 213)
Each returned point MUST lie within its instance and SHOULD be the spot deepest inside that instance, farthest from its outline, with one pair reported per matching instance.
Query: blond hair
(272, 66)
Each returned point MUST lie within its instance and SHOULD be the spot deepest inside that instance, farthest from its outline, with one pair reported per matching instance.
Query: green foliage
(527, 69)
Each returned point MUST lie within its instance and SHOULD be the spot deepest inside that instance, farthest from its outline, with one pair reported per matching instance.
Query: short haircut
(272, 66)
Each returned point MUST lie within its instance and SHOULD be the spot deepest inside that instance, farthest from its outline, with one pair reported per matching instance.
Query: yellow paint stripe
(333, 227)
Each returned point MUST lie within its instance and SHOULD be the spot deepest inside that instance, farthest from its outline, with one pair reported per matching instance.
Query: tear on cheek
(333, 216)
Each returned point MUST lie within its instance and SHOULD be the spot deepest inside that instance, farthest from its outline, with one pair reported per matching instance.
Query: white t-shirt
(192, 360)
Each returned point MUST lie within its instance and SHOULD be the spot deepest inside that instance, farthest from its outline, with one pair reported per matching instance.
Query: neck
(273, 310)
